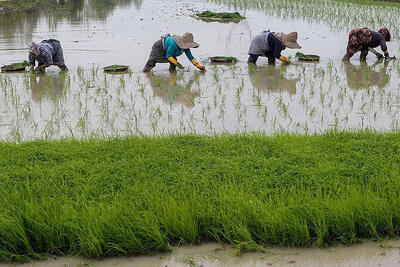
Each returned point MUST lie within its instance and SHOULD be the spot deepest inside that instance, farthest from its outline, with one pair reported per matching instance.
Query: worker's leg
(347, 57)
(271, 60)
(149, 65)
(63, 67)
(363, 55)
(172, 67)
(157, 55)
(58, 58)
(252, 58)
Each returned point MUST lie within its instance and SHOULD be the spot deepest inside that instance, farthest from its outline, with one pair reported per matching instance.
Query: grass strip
(140, 195)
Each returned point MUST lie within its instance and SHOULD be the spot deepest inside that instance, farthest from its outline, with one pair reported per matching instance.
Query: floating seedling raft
(223, 59)
(18, 66)
(303, 57)
(222, 16)
(116, 68)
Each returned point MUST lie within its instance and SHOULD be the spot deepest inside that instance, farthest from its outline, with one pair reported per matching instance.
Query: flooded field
(301, 97)
(370, 254)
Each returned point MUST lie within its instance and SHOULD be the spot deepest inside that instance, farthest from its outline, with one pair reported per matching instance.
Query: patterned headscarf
(385, 32)
(34, 48)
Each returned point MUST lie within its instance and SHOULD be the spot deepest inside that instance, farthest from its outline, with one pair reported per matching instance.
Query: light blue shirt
(173, 49)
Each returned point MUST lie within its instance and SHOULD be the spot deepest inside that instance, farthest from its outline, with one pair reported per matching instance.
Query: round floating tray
(121, 68)
(11, 68)
(309, 58)
(222, 59)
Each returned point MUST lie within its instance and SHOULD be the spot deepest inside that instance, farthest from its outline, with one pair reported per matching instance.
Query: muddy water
(372, 254)
(301, 97)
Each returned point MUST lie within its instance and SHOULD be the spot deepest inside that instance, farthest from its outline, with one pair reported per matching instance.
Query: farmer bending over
(364, 40)
(46, 53)
(271, 44)
(168, 48)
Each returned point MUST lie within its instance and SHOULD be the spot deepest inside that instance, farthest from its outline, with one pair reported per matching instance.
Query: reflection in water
(19, 26)
(338, 15)
(363, 76)
(48, 86)
(172, 88)
(271, 78)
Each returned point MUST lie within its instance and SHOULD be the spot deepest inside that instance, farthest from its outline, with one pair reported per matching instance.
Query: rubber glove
(196, 63)
(284, 59)
(173, 61)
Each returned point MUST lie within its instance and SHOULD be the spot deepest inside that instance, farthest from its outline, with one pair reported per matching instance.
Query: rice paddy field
(97, 165)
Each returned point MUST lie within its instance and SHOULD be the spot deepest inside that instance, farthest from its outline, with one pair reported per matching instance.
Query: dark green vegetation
(137, 195)
(63, 7)
(223, 15)
(28, 5)
(224, 59)
(116, 68)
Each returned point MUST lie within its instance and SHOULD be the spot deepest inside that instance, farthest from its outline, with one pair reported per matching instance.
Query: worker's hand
(389, 58)
(201, 67)
(179, 65)
(196, 63)
(284, 59)
(39, 69)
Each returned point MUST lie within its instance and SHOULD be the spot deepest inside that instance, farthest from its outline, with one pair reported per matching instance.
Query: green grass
(135, 195)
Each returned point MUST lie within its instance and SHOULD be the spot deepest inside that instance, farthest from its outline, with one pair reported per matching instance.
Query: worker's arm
(31, 61)
(385, 50)
(378, 55)
(278, 47)
(189, 55)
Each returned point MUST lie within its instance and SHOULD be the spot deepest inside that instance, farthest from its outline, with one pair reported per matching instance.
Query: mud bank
(386, 253)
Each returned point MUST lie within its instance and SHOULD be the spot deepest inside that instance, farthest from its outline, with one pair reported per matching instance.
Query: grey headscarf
(34, 48)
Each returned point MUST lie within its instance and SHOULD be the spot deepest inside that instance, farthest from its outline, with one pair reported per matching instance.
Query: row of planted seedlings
(225, 99)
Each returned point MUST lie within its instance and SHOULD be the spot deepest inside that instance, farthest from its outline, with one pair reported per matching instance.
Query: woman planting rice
(168, 48)
(364, 40)
(271, 44)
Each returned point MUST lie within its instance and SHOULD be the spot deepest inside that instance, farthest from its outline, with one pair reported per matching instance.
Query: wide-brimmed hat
(186, 41)
(290, 40)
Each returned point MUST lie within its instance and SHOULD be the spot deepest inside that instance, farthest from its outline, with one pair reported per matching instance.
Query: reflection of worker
(270, 78)
(46, 53)
(168, 48)
(47, 86)
(271, 44)
(363, 76)
(172, 92)
(364, 40)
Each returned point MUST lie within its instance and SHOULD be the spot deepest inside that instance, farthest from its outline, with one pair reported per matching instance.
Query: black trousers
(254, 58)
